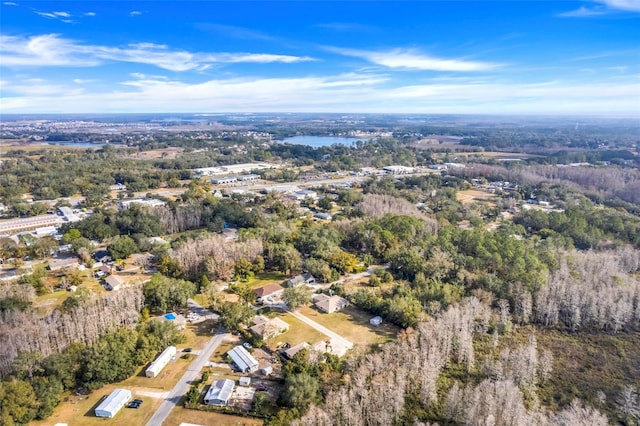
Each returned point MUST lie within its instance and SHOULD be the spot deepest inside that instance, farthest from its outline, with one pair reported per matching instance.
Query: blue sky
(477, 57)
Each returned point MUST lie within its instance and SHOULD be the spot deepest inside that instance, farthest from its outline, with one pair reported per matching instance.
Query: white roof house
(220, 392)
(159, 363)
(243, 359)
(113, 403)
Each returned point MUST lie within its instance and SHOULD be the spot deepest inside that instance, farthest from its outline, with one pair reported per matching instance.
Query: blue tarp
(170, 316)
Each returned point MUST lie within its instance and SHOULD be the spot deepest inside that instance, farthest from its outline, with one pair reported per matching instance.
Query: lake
(319, 141)
(78, 144)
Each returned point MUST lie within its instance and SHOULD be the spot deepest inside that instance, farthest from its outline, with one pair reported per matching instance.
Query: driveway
(335, 337)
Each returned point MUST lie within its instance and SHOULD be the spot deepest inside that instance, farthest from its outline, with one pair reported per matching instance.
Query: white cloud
(411, 60)
(603, 7)
(627, 5)
(9, 3)
(135, 13)
(581, 12)
(53, 50)
(90, 14)
(345, 92)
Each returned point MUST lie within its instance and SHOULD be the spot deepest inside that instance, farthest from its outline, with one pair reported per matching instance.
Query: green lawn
(298, 332)
(352, 323)
(80, 410)
(265, 278)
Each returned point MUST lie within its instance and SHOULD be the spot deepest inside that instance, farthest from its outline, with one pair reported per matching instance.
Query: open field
(183, 415)
(165, 381)
(473, 196)
(352, 323)
(198, 334)
(80, 410)
(497, 155)
(265, 278)
(7, 145)
(168, 153)
(298, 332)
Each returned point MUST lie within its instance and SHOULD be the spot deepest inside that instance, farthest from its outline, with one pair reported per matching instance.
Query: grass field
(473, 196)
(165, 381)
(265, 278)
(183, 415)
(353, 324)
(75, 411)
(198, 334)
(298, 332)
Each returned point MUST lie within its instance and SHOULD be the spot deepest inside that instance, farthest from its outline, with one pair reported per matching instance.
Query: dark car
(187, 350)
(261, 388)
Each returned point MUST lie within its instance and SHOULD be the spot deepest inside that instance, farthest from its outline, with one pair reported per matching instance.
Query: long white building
(113, 403)
(243, 360)
(159, 363)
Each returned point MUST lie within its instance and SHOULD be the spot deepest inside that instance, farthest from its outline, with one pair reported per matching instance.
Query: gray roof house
(243, 360)
(298, 280)
(220, 392)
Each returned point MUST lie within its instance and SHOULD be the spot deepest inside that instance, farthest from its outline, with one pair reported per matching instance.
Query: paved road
(181, 388)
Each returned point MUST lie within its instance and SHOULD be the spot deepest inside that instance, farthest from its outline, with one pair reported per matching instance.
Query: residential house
(63, 263)
(329, 304)
(159, 363)
(113, 282)
(268, 327)
(322, 216)
(243, 360)
(220, 392)
(269, 290)
(292, 351)
(303, 279)
(113, 403)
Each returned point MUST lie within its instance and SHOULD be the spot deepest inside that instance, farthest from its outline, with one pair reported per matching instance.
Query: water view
(320, 141)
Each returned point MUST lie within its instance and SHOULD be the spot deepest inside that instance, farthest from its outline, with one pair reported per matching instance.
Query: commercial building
(113, 403)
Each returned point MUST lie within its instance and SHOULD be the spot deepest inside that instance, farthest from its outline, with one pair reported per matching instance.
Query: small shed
(244, 381)
(267, 370)
(376, 321)
(113, 403)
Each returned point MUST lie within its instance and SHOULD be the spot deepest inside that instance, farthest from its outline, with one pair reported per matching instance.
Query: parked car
(187, 350)
(247, 345)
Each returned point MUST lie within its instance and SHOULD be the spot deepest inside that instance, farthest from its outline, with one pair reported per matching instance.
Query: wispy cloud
(345, 26)
(90, 14)
(61, 16)
(412, 60)
(232, 31)
(9, 3)
(603, 7)
(344, 92)
(135, 13)
(53, 50)
(627, 5)
(582, 12)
